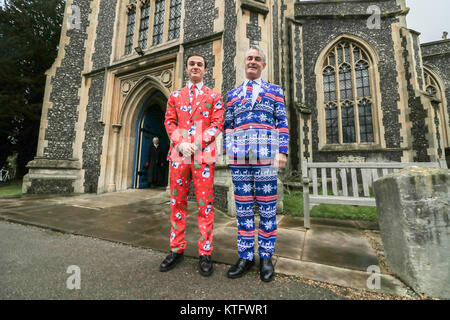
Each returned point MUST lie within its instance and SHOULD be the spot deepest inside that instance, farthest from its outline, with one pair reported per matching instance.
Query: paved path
(33, 265)
(335, 252)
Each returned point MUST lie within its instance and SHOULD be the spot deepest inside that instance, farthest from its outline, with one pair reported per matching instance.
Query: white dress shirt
(256, 88)
(198, 87)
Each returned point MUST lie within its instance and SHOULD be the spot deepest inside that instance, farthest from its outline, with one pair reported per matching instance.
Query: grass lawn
(9, 189)
(293, 205)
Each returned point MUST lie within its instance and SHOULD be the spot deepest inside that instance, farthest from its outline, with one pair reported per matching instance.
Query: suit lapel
(240, 93)
(262, 93)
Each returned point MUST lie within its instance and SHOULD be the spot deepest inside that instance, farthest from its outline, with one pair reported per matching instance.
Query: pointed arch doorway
(150, 124)
(139, 118)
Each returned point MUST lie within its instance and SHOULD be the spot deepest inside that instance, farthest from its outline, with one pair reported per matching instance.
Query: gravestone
(413, 205)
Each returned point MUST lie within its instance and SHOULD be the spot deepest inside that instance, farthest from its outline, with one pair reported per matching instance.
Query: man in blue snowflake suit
(256, 141)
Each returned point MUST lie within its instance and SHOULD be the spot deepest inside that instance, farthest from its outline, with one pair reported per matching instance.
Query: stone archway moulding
(121, 147)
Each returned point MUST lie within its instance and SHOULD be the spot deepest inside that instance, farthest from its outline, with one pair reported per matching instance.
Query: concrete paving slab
(340, 247)
(66, 212)
(107, 200)
(291, 223)
(338, 276)
(136, 225)
(290, 243)
(225, 237)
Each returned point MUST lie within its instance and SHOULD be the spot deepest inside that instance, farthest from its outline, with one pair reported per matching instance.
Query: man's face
(155, 141)
(254, 64)
(195, 69)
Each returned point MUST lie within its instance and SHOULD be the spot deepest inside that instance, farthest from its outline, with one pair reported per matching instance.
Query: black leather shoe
(238, 270)
(266, 270)
(205, 265)
(171, 261)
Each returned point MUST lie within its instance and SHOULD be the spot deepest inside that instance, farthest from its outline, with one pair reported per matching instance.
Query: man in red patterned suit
(194, 118)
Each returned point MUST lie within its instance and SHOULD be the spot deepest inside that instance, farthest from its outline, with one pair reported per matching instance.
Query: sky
(429, 17)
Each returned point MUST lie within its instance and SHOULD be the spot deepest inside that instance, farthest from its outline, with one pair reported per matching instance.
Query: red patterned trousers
(202, 175)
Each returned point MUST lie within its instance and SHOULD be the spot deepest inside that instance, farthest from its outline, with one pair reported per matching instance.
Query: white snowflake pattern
(267, 188)
(250, 256)
(248, 223)
(247, 187)
(268, 225)
(262, 117)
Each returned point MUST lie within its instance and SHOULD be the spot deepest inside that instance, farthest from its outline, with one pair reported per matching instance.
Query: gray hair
(257, 48)
(155, 138)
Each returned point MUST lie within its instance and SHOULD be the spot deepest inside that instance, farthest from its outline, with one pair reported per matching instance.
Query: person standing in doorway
(155, 165)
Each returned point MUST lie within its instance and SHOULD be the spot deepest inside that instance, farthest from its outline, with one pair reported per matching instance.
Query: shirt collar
(199, 85)
(257, 81)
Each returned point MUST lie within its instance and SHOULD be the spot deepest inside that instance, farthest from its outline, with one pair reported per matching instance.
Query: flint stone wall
(414, 210)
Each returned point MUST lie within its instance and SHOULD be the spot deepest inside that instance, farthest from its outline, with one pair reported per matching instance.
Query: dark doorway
(151, 124)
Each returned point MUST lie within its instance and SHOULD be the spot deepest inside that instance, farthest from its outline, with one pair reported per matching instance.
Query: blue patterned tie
(249, 94)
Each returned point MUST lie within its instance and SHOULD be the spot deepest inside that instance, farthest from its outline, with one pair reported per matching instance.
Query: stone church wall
(94, 129)
(319, 29)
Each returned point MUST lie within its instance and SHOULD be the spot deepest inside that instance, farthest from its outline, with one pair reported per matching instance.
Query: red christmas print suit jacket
(199, 121)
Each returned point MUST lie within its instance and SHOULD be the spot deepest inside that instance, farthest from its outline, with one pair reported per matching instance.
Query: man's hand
(187, 149)
(280, 160)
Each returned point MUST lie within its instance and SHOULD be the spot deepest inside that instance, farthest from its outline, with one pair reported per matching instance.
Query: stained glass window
(352, 107)
(329, 84)
(362, 79)
(175, 19)
(431, 85)
(331, 123)
(345, 81)
(143, 29)
(158, 26)
(348, 122)
(365, 121)
(130, 30)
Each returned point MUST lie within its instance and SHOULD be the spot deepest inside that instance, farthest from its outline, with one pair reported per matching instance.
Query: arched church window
(175, 19)
(158, 25)
(431, 85)
(434, 89)
(348, 99)
(130, 28)
(143, 28)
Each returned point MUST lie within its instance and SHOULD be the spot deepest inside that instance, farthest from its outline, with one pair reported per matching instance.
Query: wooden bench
(345, 182)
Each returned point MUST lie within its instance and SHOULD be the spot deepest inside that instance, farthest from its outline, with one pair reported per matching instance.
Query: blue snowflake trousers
(255, 182)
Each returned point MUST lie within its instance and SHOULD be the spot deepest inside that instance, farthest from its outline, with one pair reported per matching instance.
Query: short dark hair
(197, 55)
